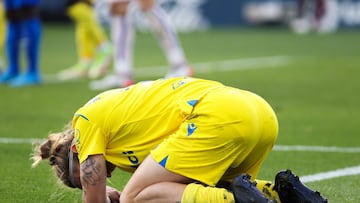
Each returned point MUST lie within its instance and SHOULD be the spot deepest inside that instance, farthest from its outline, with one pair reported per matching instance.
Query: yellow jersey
(196, 128)
(125, 124)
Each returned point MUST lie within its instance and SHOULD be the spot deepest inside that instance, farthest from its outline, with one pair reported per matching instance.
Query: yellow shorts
(228, 132)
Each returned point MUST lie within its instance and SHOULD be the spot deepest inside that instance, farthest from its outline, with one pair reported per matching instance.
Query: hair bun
(45, 149)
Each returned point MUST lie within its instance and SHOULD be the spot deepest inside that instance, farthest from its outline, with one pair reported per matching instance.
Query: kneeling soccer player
(185, 140)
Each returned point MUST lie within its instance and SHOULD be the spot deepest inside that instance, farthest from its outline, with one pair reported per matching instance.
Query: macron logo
(191, 128)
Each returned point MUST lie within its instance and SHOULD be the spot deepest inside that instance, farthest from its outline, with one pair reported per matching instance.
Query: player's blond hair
(56, 148)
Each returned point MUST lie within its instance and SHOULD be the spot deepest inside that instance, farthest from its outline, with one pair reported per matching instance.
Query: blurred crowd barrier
(194, 15)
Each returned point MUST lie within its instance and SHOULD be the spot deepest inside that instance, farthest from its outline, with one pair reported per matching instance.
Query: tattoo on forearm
(91, 172)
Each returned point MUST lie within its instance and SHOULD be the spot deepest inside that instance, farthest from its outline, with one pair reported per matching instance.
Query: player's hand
(113, 194)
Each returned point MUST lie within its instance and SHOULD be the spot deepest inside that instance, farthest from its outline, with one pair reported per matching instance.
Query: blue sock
(32, 33)
(13, 46)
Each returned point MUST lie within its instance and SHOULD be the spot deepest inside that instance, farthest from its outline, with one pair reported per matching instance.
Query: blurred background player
(23, 25)
(315, 15)
(2, 34)
(122, 32)
(93, 46)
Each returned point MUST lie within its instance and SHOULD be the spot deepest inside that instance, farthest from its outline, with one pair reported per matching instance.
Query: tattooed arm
(93, 179)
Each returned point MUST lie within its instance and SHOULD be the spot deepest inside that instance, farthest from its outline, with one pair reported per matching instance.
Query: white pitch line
(316, 148)
(206, 67)
(355, 170)
(305, 179)
(221, 66)
(5, 140)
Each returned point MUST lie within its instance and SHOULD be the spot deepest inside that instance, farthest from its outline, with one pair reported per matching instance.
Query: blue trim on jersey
(82, 116)
(192, 102)
(163, 162)
(191, 128)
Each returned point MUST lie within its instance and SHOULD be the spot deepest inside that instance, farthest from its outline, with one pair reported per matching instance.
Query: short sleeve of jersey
(90, 140)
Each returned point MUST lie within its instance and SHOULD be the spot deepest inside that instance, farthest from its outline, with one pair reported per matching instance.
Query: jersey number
(132, 158)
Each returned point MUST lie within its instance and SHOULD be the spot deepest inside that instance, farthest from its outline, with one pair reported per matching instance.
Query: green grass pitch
(312, 83)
